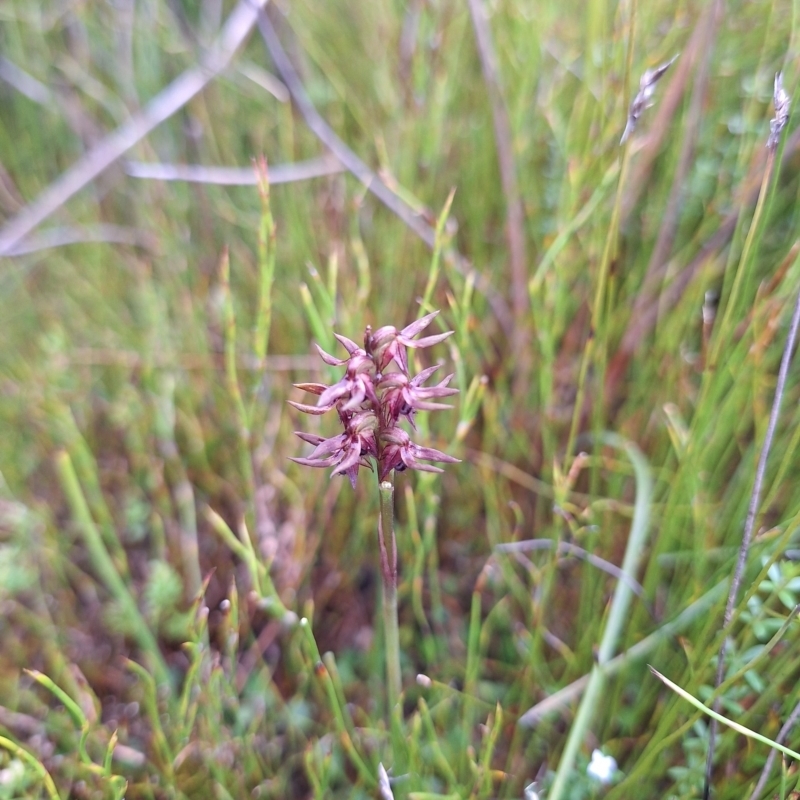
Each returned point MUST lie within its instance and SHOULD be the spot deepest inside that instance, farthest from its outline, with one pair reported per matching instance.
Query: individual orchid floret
(404, 396)
(374, 395)
(388, 343)
(347, 451)
(400, 453)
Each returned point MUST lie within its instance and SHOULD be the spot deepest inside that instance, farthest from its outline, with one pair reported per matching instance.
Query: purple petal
(422, 376)
(392, 381)
(310, 409)
(335, 392)
(352, 474)
(431, 454)
(369, 388)
(351, 460)
(427, 341)
(328, 358)
(424, 467)
(399, 354)
(425, 405)
(348, 344)
(391, 459)
(311, 438)
(310, 462)
(357, 397)
(411, 462)
(335, 444)
(440, 390)
(395, 436)
(314, 388)
(416, 327)
(383, 333)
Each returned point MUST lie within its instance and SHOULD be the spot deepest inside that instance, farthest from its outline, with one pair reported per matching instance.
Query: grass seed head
(781, 102)
(647, 87)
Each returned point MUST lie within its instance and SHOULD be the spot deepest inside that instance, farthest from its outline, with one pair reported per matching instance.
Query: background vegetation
(158, 549)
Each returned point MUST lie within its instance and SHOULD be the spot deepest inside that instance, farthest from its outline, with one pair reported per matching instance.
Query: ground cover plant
(594, 197)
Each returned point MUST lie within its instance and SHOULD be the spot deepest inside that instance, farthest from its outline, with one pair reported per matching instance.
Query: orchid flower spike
(373, 396)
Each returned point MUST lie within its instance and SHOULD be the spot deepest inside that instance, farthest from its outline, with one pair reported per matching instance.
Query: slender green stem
(723, 330)
(598, 321)
(389, 577)
(438, 245)
(231, 376)
(242, 547)
(724, 720)
(336, 709)
(267, 238)
(104, 565)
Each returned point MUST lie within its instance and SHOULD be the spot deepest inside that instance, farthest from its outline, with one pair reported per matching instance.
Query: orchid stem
(389, 578)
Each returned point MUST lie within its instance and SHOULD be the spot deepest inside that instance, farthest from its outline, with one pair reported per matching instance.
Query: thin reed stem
(785, 730)
(597, 320)
(104, 566)
(730, 306)
(335, 706)
(231, 374)
(752, 510)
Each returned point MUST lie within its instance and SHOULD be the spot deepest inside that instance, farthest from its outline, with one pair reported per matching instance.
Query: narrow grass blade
(724, 720)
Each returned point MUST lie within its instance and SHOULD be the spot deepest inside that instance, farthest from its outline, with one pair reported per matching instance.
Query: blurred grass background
(140, 436)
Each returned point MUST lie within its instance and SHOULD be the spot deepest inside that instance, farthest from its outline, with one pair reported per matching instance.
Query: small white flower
(384, 786)
(602, 767)
(13, 774)
(530, 791)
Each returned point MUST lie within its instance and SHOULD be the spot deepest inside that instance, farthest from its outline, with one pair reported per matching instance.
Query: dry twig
(164, 105)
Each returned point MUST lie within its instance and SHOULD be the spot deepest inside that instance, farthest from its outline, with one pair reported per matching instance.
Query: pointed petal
(348, 344)
(422, 376)
(314, 388)
(411, 462)
(417, 327)
(433, 391)
(426, 405)
(431, 454)
(334, 445)
(446, 380)
(369, 389)
(316, 410)
(334, 393)
(357, 397)
(311, 438)
(310, 462)
(400, 355)
(426, 341)
(351, 460)
(328, 358)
